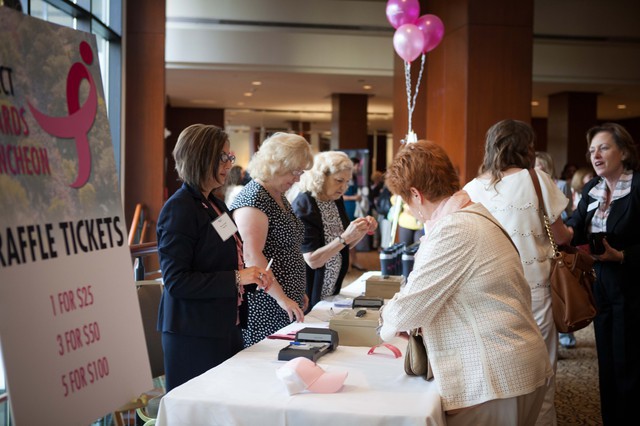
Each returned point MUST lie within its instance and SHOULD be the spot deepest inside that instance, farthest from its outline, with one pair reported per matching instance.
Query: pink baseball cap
(300, 374)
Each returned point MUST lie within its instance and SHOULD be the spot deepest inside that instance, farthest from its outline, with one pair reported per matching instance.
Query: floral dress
(283, 245)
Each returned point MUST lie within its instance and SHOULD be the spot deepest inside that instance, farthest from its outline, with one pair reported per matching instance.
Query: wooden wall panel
(480, 74)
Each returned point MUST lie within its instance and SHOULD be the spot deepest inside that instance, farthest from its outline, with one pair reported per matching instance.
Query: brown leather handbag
(572, 277)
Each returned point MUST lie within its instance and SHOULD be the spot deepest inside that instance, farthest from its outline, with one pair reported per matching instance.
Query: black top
(306, 208)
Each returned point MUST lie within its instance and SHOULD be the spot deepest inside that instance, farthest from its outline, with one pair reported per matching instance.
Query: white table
(244, 390)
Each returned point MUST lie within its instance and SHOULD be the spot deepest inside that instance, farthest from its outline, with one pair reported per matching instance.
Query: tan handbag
(572, 277)
(416, 362)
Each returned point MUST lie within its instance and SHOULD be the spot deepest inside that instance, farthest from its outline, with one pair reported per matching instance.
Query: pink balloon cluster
(414, 34)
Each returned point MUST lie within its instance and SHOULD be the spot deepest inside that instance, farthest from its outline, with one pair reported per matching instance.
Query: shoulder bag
(416, 362)
(572, 277)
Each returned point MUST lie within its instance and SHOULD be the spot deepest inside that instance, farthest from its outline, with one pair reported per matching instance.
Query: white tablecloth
(244, 390)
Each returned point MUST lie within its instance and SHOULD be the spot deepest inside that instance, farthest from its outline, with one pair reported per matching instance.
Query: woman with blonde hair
(468, 293)
(545, 162)
(579, 179)
(328, 233)
(272, 233)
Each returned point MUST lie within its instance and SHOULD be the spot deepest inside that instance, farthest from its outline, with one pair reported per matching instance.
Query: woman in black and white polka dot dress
(270, 230)
(328, 232)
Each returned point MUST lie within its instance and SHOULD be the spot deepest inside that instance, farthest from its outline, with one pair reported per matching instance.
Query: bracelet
(237, 278)
(341, 240)
(622, 261)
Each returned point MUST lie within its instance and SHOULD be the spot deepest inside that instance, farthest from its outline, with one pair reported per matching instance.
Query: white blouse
(514, 203)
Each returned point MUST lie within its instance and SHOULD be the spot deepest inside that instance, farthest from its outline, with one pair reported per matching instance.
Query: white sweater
(468, 293)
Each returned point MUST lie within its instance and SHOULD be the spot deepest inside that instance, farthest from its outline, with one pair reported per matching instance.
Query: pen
(269, 265)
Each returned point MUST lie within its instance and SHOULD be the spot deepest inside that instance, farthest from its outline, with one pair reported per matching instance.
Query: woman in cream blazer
(469, 295)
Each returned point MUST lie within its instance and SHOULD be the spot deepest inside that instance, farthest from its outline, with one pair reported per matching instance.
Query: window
(104, 19)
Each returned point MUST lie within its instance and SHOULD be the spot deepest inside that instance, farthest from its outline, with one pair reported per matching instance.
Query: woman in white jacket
(468, 293)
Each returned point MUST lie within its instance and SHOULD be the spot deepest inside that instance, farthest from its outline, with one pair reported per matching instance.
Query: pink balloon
(408, 41)
(400, 12)
(433, 30)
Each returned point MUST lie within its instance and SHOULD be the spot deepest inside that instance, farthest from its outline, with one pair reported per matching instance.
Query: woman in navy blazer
(611, 204)
(200, 253)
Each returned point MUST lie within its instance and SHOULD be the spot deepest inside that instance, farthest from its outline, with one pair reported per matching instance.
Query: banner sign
(70, 326)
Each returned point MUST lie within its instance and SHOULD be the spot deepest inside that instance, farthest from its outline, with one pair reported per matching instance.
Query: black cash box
(310, 343)
(368, 302)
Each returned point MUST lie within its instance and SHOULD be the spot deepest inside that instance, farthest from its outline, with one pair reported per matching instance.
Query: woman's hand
(256, 275)
(291, 307)
(373, 224)
(610, 254)
(356, 230)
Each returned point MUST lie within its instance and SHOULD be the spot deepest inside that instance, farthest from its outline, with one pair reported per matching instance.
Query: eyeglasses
(224, 157)
(297, 173)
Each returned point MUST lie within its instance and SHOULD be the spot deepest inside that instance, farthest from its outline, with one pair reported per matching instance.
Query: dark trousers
(617, 329)
(186, 357)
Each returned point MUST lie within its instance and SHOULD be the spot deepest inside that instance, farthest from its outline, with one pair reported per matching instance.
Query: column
(481, 73)
(571, 114)
(144, 102)
(348, 121)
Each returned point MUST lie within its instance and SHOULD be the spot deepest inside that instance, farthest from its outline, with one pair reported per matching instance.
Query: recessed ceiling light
(248, 94)
(622, 106)
(367, 87)
(535, 103)
(256, 83)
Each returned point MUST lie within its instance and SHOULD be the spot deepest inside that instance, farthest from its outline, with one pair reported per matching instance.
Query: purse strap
(543, 213)
(496, 224)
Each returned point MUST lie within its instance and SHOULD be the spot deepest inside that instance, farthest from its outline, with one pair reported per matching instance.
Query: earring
(420, 214)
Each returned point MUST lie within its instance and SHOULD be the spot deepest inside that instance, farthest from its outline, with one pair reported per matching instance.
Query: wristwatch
(341, 240)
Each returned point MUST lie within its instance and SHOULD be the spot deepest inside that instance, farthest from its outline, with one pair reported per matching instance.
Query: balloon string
(407, 79)
(415, 95)
(411, 101)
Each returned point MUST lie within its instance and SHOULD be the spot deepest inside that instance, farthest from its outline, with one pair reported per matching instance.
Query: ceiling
(285, 96)
(282, 97)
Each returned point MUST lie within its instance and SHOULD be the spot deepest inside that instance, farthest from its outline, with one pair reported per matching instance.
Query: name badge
(224, 226)
(593, 206)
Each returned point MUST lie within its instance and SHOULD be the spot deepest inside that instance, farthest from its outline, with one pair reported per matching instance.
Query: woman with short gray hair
(328, 233)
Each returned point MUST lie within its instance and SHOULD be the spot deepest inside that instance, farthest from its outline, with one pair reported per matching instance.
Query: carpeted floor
(577, 391)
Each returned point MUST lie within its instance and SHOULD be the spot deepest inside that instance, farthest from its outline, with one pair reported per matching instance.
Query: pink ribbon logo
(80, 119)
